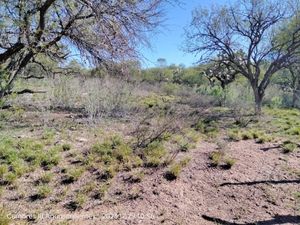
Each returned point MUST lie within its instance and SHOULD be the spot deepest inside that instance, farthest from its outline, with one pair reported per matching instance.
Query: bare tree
(246, 34)
(97, 30)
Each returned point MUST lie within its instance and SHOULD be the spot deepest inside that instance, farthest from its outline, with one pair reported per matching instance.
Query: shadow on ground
(262, 182)
(274, 221)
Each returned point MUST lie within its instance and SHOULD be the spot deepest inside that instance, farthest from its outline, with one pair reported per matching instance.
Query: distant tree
(99, 30)
(246, 33)
(220, 71)
(161, 65)
(161, 62)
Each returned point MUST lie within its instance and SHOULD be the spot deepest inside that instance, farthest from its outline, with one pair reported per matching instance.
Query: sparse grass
(207, 127)
(249, 134)
(73, 175)
(229, 162)
(288, 147)
(175, 169)
(89, 187)
(216, 158)
(136, 177)
(80, 199)
(173, 172)
(66, 147)
(46, 178)
(10, 178)
(154, 154)
(101, 191)
(3, 170)
(235, 135)
(219, 158)
(4, 216)
(50, 158)
(48, 136)
(112, 155)
(44, 191)
(263, 139)
(135, 193)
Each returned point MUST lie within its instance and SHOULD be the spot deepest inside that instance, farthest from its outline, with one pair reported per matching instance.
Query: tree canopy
(99, 31)
(246, 34)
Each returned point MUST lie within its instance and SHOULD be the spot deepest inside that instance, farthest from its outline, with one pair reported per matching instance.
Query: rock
(82, 140)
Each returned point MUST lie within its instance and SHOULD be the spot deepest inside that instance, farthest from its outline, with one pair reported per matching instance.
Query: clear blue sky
(168, 41)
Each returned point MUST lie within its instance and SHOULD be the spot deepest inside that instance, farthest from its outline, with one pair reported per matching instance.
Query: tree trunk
(296, 94)
(258, 97)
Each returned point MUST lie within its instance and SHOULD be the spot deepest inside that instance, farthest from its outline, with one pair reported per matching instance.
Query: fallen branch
(32, 77)
(25, 91)
(28, 91)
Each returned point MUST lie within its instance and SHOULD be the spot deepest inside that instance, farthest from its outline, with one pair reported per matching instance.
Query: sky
(168, 42)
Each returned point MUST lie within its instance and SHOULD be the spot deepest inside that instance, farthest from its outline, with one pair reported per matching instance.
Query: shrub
(107, 97)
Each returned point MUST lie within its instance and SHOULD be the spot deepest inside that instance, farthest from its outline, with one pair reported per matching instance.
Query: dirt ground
(259, 189)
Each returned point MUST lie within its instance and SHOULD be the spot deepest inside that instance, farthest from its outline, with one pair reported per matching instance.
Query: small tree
(219, 71)
(100, 31)
(246, 34)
